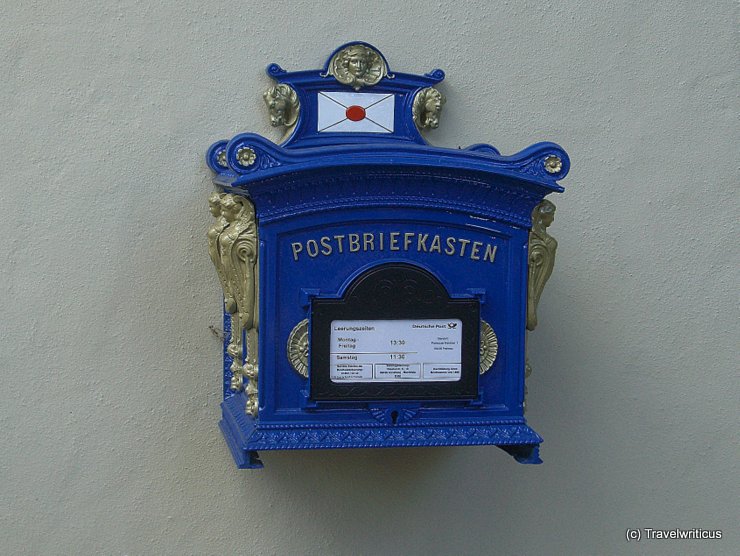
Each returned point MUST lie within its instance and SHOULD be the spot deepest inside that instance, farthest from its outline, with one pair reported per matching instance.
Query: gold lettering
(311, 245)
(354, 242)
(368, 239)
(435, 245)
(463, 245)
(407, 239)
(365, 241)
(490, 253)
(421, 244)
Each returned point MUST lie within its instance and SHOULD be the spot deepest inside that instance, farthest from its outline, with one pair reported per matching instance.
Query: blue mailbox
(377, 289)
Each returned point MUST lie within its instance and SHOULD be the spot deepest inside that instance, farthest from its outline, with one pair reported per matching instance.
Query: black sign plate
(395, 335)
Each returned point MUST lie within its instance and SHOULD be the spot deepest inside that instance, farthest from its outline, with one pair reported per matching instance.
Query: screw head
(553, 164)
(245, 156)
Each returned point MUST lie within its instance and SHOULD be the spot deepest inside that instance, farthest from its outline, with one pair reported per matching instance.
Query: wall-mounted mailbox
(377, 289)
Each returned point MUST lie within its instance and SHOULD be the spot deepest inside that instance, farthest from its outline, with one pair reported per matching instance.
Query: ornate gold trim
(427, 107)
(298, 348)
(542, 247)
(488, 346)
(233, 247)
(283, 105)
(358, 66)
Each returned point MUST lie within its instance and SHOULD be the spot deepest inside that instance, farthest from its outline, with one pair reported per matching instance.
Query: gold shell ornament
(427, 107)
(358, 66)
(282, 104)
(488, 346)
(298, 348)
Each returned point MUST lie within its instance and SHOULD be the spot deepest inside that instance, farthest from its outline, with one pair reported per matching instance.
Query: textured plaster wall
(110, 374)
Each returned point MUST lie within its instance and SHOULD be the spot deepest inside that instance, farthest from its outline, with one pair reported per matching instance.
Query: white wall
(111, 384)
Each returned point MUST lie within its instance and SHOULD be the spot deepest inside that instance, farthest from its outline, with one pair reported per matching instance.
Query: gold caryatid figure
(542, 248)
(357, 66)
(214, 205)
(232, 244)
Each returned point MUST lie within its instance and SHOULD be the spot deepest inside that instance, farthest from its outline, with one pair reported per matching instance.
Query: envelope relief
(340, 112)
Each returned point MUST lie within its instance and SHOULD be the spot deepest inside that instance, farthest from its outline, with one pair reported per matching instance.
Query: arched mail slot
(354, 233)
(396, 334)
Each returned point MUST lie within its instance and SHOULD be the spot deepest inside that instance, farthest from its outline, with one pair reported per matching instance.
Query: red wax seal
(355, 113)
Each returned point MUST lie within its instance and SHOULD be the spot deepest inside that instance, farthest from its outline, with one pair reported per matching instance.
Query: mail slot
(377, 289)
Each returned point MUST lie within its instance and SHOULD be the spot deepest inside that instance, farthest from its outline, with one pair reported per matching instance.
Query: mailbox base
(245, 436)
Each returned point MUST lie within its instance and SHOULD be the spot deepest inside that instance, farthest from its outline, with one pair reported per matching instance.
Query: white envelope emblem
(356, 112)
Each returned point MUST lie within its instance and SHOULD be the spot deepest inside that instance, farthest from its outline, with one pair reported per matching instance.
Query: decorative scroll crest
(298, 348)
(358, 66)
(427, 107)
(283, 105)
(542, 248)
(488, 346)
(233, 247)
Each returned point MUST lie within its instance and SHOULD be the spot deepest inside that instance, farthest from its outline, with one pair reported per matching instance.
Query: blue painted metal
(317, 185)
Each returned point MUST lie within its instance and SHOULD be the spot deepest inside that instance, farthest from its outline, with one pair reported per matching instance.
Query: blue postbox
(377, 289)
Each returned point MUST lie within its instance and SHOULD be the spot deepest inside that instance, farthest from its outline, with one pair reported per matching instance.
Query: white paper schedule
(425, 350)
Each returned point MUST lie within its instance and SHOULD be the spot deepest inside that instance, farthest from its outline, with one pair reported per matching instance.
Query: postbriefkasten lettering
(394, 241)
